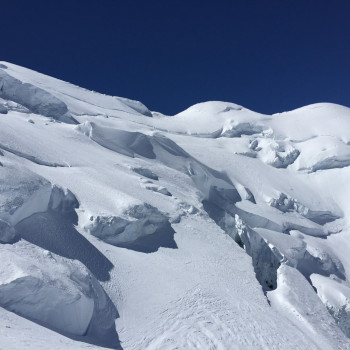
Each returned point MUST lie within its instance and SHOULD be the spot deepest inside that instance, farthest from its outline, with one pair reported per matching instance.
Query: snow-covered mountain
(216, 228)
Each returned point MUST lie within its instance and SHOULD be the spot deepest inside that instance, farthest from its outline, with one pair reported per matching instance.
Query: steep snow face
(58, 293)
(146, 230)
(216, 228)
(57, 303)
(76, 100)
(35, 99)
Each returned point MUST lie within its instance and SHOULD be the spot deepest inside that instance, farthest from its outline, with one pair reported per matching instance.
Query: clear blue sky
(269, 56)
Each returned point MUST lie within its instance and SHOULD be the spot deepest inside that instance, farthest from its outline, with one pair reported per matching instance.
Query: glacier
(124, 228)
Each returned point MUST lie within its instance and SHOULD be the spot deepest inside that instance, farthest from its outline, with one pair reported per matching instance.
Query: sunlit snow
(216, 228)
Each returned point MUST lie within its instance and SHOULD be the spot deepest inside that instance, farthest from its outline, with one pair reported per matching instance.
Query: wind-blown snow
(216, 228)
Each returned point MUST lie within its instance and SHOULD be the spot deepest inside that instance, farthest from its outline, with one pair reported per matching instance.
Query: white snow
(216, 228)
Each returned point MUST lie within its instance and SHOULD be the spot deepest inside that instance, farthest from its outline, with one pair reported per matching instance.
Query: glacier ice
(218, 227)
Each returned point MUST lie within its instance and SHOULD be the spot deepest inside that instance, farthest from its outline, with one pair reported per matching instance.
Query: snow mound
(298, 302)
(286, 204)
(79, 101)
(136, 105)
(324, 152)
(58, 293)
(158, 189)
(279, 154)
(123, 142)
(146, 173)
(23, 193)
(233, 129)
(336, 296)
(145, 230)
(35, 99)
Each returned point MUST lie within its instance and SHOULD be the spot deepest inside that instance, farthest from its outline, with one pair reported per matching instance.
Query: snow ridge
(216, 228)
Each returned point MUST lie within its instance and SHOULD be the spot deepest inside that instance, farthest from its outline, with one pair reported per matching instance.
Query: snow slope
(217, 228)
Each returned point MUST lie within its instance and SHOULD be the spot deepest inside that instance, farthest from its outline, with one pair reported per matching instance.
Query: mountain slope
(217, 228)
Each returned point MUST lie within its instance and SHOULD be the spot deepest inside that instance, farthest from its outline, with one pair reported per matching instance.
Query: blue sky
(269, 56)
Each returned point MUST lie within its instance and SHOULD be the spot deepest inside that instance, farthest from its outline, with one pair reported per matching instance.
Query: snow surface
(216, 228)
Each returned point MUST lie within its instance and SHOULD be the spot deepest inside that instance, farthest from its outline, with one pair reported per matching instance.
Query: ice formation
(216, 228)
